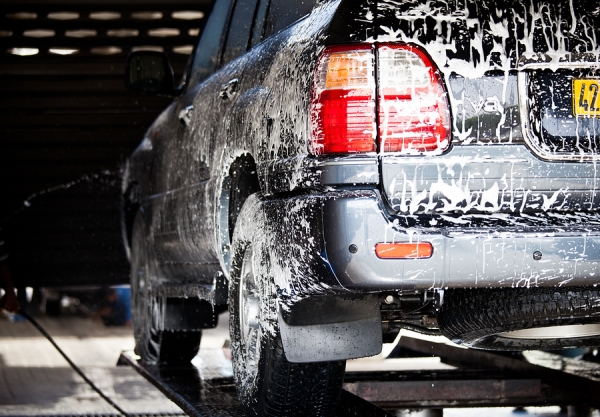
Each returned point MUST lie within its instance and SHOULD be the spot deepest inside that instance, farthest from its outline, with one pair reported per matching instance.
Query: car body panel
(489, 179)
(267, 118)
(181, 190)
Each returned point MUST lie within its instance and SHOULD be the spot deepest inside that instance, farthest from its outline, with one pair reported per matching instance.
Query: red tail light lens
(413, 114)
(343, 101)
(413, 111)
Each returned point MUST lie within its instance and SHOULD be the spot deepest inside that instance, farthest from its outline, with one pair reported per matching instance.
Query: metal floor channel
(474, 379)
(217, 397)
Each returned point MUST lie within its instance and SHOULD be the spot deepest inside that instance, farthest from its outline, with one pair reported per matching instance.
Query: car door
(184, 244)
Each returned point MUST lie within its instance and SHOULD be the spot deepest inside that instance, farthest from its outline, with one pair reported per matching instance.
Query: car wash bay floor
(36, 380)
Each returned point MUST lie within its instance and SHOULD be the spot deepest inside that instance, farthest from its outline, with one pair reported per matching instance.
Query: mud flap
(189, 314)
(357, 336)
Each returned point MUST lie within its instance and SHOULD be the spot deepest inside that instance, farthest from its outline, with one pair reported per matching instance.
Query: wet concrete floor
(35, 380)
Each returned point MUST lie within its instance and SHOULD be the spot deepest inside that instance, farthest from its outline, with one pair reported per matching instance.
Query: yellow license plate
(586, 97)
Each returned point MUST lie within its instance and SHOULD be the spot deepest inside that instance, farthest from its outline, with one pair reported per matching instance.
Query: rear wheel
(269, 385)
(151, 344)
(522, 318)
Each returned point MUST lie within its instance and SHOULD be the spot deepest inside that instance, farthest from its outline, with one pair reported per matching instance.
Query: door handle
(228, 89)
(185, 115)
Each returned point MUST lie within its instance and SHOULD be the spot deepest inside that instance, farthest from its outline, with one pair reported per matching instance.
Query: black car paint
(180, 168)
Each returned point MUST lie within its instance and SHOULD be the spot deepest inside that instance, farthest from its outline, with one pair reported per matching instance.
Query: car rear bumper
(468, 250)
(325, 312)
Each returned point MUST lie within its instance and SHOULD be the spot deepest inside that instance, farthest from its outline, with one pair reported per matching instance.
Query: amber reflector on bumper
(404, 250)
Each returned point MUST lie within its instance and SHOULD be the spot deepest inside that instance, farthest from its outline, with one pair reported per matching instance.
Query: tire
(522, 318)
(152, 345)
(267, 384)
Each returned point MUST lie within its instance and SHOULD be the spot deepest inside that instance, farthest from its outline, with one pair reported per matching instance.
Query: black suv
(334, 171)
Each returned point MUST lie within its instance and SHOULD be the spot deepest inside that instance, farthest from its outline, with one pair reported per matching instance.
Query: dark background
(67, 126)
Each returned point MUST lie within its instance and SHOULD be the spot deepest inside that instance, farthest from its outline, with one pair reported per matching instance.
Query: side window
(207, 50)
(259, 22)
(239, 30)
(283, 13)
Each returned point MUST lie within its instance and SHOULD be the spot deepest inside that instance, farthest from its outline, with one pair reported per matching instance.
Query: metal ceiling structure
(67, 125)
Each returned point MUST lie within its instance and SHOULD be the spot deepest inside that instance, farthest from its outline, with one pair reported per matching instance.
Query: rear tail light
(413, 110)
(343, 101)
(411, 114)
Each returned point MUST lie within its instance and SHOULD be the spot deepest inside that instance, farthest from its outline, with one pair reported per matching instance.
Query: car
(334, 171)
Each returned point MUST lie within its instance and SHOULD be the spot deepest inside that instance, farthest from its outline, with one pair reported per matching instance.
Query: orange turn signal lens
(349, 69)
(404, 250)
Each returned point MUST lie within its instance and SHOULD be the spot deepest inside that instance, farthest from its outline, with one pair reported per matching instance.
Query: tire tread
(470, 315)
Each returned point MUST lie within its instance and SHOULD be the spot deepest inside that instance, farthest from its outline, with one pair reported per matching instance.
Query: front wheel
(269, 385)
(151, 344)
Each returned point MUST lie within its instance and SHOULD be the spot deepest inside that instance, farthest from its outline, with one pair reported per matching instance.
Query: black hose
(75, 367)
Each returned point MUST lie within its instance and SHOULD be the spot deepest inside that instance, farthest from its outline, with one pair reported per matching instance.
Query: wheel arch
(239, 182)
